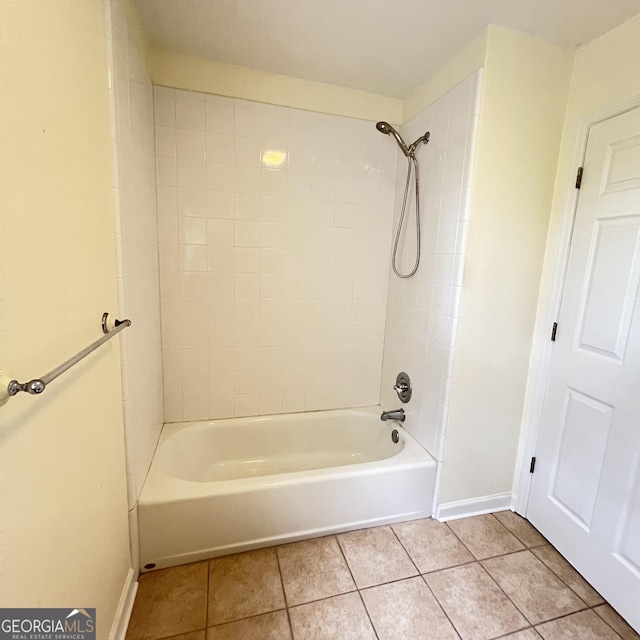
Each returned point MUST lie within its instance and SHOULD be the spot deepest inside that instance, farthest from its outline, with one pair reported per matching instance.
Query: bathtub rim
(161, 487)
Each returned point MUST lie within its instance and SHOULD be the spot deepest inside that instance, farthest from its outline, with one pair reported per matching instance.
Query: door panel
(585, 493)
(612, 256)
(575, 479)
(629, 549)
(622, 166)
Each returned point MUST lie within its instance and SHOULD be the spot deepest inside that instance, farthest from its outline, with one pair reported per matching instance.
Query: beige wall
(525, 90)
(606, 71)
(468, 60)
(63, 505)
(181, 71)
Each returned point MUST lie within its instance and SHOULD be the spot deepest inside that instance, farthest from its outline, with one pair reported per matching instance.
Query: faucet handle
(403, 387)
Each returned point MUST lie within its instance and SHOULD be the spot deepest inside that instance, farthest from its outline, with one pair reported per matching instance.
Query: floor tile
(169, 602)
(431, 544)
(269, 626)
(534, 589)
(407, 609)
(609, 615)
(526, 634)
(568, 574)
(521, 528)
(193, 635)
(485, 537)
(476, 605)
(585, 625)
(375, 556)
(338, 618)
(243, 585)
(313, 569)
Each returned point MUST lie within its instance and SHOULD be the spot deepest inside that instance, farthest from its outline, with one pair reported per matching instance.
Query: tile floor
(479, 578)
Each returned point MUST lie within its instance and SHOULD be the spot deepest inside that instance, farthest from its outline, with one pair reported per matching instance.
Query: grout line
(603, 620)
(337, 537)
(557, 575)
(446, 524)
(222, 624)
(567, 615)
(373, 626)
(375, 631)
(335, 595)
(513, 533)
(564, 615)
(284, 591)
(446, 615)
(206, 604)
(509, 531)
(405, 549)
(522, 613)
(508, 635)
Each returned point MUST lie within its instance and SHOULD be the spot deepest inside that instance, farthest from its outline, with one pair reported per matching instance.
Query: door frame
(541, 347)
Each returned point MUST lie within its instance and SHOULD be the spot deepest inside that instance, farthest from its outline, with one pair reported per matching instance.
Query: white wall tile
(247, 179)
(292, 276)
(220, 176)
(164, 107)
(166, 141)
(189, 110)
(191, 173)
(133, 101)
(274, 183)
(275, 122)
(220, 147)
(190, 144)
(422, 310)
(247, 151)
(248, 119)
(220, 117)
(220, 204)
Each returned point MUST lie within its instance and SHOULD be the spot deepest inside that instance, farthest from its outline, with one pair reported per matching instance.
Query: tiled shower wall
(136, 236)
(423, 310)
(274, 238)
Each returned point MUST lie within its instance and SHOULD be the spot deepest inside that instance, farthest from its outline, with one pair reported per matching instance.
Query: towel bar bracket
(34, 387)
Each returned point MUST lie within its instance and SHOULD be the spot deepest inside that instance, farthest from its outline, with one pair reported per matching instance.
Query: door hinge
(579, 177)
(554, 330)
(532, 466)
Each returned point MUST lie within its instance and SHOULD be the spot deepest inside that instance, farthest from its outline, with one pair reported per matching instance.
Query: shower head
(384, 127)
(387, 129)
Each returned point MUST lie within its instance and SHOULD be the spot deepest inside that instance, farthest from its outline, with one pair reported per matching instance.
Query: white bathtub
(226, 486)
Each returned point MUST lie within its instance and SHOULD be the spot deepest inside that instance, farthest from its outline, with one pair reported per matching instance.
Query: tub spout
(398, 415)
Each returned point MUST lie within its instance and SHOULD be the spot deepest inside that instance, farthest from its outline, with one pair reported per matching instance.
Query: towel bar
(38, 385)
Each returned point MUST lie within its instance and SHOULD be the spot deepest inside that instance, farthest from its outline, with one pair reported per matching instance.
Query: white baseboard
(473, 507)
(125, 606)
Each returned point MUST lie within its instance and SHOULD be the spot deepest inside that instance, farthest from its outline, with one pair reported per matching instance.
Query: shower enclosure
(274, 229)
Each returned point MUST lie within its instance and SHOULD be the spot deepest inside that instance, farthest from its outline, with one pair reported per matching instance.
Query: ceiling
(388, 47)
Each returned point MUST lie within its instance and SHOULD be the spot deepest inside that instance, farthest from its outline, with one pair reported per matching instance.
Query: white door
(585, 491)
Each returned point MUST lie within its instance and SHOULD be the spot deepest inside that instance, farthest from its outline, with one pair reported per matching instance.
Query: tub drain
(395, 436)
